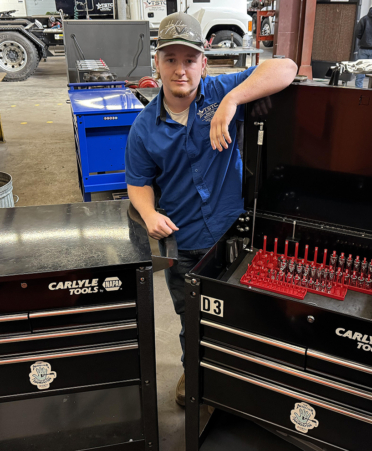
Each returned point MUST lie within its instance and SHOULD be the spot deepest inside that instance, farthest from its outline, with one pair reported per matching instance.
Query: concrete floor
(39, 153)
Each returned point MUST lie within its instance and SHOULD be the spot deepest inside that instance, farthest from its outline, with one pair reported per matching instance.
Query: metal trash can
(6, 190)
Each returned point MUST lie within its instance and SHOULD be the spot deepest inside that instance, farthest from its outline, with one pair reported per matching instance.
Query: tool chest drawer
(310, 416)
(70, 368)
(74, 420)
(332, 366)
(288, 376)
(257, 344)
(66, 338)
(256, 312)
(107, 120)
(52, 319)
(13, 324)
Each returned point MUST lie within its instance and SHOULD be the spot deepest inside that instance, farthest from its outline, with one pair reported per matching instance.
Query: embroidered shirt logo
(41, 375)
(303, 417)
(207, 113)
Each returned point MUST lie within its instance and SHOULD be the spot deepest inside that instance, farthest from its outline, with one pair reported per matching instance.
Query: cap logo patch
(180, 30)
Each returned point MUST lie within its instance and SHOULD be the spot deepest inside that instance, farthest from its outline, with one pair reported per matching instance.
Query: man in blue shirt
(186, 140)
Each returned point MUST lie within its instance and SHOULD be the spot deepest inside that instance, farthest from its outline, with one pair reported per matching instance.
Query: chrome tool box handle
(70, 333)
(99, 308)
(61, 355)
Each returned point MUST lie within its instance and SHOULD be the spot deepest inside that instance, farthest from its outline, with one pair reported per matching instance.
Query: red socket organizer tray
(294, 277)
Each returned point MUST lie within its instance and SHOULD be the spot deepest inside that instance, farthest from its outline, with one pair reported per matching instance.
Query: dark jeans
(175, 278)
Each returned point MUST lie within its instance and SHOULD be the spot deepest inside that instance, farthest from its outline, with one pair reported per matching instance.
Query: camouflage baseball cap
(180, 28)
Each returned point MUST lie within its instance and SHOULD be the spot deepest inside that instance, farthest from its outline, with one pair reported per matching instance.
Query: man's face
(180, 68)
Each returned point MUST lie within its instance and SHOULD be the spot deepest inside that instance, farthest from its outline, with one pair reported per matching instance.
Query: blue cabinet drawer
(106, 120)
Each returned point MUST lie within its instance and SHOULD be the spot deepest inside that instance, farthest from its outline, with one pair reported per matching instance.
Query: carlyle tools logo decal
(42, 375)
(364, 341)
(207, 113)
(303, 417)
(77, 286)
(112, 283)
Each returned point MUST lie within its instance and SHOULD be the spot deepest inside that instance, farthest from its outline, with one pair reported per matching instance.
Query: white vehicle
(28, 7)
(267, 23)
(216, 16)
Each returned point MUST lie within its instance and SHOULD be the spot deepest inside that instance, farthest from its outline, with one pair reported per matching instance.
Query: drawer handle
(276, 343)
(20, 317)
(99, 308)
(292, 371)
(73, 333)
(329, 358)
(292, 394)
(68, 354)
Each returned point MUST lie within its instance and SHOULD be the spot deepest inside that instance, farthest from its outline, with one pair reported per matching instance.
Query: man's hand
(219, 133)
(159, 226)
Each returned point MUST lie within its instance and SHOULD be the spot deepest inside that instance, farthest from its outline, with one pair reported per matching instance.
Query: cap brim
(187, 44)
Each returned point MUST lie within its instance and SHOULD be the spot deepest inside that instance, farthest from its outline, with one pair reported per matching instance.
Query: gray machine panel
(116, 42)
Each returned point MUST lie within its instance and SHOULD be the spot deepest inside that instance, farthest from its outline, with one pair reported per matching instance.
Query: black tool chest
(77, 355)
(299, 367)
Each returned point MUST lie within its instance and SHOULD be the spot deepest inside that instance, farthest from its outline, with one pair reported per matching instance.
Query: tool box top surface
(106, 100)
(148, 93)
(317, 156)
(53, 238)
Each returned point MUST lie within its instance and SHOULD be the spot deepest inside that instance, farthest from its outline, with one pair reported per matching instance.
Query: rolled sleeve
(140, 168)
(227, 82)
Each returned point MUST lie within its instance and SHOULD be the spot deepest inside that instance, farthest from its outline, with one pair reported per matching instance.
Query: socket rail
(294, 277)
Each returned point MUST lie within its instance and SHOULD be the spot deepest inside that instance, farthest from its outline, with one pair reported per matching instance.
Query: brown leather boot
(180, 391)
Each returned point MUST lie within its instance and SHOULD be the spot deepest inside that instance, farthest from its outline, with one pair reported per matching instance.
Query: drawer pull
(68, 354)
(20, 317)
(70, 333)
(99, 308)
(292, 371)
(290, 393)
(329, 358)
(276, 343)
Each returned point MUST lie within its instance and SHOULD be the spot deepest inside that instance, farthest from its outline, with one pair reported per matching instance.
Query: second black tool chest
(77, 355)
(264, 340)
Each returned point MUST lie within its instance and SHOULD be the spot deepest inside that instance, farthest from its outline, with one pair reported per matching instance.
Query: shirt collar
(161, 114)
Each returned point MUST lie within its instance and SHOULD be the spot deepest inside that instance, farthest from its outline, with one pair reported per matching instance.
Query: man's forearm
(143, 199)
(269, 78)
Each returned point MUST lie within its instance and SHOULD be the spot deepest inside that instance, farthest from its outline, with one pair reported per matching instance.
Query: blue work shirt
(200, 187)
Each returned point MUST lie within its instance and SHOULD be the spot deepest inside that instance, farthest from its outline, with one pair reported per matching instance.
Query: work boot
(180, 391)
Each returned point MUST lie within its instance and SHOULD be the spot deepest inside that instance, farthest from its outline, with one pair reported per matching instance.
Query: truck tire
(254, 23)
(18, 56)
(223, 39)
(265, 31)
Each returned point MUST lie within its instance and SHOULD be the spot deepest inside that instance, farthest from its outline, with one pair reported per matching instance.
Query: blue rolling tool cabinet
(102, 114)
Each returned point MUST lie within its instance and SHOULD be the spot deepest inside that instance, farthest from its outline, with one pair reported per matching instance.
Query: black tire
(265, 25)
(224, 36)
(254, 24)
(22, 53)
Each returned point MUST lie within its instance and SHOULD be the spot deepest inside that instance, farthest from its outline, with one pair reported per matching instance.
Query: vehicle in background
(25, 40)
(24, 8)
(229, 23)
(267, 23)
